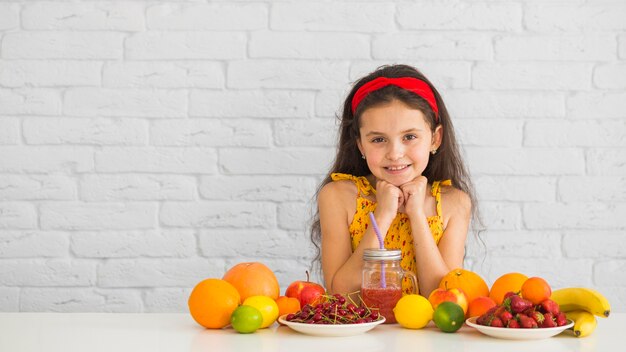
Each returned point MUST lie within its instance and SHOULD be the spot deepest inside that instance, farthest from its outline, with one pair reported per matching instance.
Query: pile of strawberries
(516, 312)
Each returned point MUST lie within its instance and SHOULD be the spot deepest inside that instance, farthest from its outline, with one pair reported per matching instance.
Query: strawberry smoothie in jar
(381, 286)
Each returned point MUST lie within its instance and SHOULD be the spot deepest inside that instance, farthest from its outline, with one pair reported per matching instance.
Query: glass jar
(381, 286)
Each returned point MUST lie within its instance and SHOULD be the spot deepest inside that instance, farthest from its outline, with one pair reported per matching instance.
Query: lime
(413, 311)
(449, 316)
(246, 319)
(267, 306)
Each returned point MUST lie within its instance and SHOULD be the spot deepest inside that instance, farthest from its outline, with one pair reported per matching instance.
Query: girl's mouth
(396, 168)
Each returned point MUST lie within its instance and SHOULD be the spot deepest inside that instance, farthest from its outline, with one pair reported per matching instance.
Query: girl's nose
(395, 151)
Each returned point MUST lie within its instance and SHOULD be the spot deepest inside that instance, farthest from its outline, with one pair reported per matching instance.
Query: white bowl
(330, 330)
(518, 334)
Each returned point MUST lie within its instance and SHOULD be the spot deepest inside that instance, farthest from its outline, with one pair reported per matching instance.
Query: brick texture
(146, 145)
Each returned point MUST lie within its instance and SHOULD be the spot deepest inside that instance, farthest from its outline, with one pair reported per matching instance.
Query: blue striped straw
(381, 244)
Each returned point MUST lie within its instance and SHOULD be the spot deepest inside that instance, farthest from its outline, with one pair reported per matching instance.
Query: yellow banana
(584, 322)
(580, 298)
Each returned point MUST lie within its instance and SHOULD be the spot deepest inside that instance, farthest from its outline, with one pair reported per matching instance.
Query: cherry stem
(337, 317)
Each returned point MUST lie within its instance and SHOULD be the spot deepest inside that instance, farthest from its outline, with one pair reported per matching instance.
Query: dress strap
(362, 184)
(436, 192)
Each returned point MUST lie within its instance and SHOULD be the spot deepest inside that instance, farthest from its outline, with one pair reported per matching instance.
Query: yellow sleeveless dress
(399, 234)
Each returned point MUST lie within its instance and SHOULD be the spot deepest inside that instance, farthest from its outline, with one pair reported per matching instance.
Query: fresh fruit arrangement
(516, 312)
(515, 301)
(531, 303)
(246, 298)
(446, 305)
(335, 309)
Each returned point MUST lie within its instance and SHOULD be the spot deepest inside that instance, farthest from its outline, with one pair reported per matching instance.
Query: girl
(397, 157)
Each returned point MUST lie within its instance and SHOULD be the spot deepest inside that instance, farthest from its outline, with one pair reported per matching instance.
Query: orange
(536, 290)
(480, 306)
(253, 279)
(511, 282)
(287, 305)
(471, 283)
(212, 302)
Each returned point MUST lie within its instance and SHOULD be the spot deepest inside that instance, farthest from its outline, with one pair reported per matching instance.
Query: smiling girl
(398, 158)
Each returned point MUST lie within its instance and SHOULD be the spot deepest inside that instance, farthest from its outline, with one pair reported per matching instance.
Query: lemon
(266, 305)
(413, 311)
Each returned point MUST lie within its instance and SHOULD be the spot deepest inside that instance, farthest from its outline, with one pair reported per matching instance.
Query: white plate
(518, 334)
(330, 330)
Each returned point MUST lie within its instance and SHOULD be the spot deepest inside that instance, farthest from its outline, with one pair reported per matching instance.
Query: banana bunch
(584, 322)
(582, 305)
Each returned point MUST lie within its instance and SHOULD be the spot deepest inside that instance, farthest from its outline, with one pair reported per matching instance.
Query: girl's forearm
(348, 278)
(430, 264)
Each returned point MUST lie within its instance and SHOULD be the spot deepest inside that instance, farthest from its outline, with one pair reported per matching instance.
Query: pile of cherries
(335, 309)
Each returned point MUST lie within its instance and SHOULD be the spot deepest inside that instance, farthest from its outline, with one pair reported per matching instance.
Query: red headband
(411, 84)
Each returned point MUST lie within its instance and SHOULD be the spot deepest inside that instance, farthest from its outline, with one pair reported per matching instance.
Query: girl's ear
(359, 145)
(437, 137)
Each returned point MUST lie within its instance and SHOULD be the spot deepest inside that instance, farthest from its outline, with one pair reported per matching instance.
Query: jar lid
(382, 254)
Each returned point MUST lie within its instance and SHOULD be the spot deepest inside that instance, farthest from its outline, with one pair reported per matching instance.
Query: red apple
(306, 292)
(455, 295)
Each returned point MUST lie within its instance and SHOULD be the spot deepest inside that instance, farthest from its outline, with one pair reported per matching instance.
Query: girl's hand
(389, 199)
(414, 193)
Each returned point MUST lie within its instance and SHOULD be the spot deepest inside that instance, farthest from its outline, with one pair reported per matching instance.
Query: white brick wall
(146, 145)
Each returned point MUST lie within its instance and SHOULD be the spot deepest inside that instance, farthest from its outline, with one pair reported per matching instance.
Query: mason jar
(381, 285)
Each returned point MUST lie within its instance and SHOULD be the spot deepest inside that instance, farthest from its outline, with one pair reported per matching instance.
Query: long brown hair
(446, 164)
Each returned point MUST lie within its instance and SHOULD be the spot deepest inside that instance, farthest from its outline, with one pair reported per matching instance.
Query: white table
(112, 332)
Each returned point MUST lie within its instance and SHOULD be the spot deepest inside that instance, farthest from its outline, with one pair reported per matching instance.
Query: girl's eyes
(408, 137)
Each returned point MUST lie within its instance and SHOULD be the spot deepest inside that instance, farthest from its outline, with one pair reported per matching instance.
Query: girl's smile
(396, 142)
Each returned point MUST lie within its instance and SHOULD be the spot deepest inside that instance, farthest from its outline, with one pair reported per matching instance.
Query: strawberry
(484, 319)
(496, 323)
(506, 316)
(513, 324)
(529, 312)
(507, 300)
(499, 310)
(538, 317)
(509, 294)
(492, 310)
(561, 319)
(518, 304)
(548, 321)
(550, 306)
(526, 322)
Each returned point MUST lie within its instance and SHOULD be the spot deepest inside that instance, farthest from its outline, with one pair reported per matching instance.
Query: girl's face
(396, 142)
